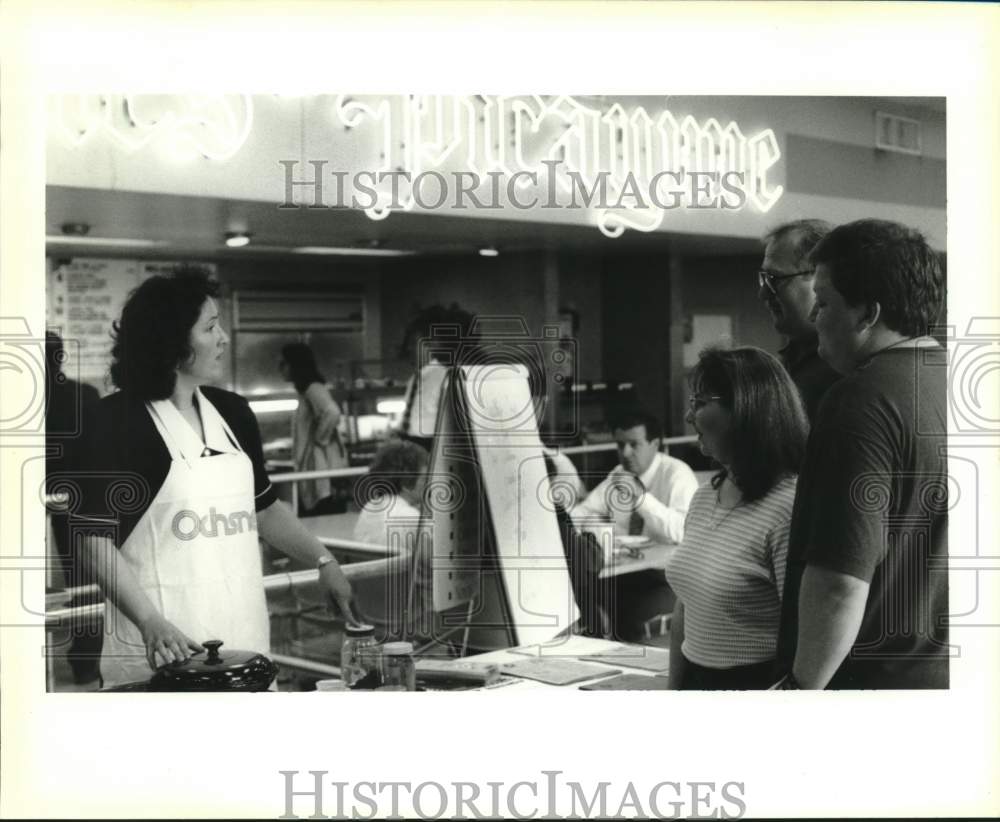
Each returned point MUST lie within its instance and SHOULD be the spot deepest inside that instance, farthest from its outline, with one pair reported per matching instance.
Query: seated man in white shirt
(649, 492)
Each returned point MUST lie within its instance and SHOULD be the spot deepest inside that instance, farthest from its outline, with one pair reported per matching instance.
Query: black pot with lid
(229, 670)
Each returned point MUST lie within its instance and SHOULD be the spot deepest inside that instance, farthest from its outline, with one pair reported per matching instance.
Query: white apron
(194, 552)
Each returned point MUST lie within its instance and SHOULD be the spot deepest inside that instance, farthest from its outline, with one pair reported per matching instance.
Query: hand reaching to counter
(339, 591)
(165, 642)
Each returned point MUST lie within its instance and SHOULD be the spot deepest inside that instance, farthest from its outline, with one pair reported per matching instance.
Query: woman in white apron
(190, 567)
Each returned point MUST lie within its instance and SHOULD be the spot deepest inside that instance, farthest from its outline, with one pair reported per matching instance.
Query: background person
(436, 338)
(866, 598)
(785, 286)
(69, 410)
(392, 511)
(729, 571)
(179, 492)
(316, 441)
(394, 487)
(648, 493)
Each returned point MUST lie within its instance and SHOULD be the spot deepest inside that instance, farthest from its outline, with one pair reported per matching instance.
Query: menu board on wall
(85, 296)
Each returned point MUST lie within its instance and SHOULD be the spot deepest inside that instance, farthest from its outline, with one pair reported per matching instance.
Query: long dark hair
(770, 426)
(153, 335)
(301, 366)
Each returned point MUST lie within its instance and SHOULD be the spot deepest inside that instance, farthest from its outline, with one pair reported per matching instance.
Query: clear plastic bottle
(359, 657)
(398, 666)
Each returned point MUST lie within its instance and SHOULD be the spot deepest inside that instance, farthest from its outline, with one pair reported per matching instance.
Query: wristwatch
(326, 559)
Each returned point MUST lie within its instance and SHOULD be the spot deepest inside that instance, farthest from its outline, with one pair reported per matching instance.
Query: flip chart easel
(498, 562)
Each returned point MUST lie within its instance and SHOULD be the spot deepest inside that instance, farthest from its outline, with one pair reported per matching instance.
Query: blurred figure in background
(785, 286)
(437, 337)
(316, 441)
(391, 496)
(69, 410)
(392, 489)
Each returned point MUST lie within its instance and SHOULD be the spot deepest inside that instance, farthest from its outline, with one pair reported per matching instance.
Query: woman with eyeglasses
(729, 571)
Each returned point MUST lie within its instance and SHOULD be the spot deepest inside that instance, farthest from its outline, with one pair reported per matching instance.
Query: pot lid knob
(212, 646)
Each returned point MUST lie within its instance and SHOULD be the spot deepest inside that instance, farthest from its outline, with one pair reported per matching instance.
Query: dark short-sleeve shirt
(810, 373)
(127, 461)
(872, 502)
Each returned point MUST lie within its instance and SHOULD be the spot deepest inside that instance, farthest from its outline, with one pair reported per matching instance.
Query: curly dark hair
(152, 336)
(877, 261)
(770, 426)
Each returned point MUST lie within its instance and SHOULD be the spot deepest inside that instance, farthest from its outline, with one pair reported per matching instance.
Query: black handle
(212, 646)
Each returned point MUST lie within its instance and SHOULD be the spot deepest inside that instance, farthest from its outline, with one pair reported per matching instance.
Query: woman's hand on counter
(165, 642)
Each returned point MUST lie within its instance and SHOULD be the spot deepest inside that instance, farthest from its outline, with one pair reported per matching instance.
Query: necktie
(635, 523)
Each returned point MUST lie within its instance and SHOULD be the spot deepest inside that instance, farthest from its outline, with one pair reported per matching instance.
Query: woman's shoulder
(226, 401)
(782, 496)
(705, 494)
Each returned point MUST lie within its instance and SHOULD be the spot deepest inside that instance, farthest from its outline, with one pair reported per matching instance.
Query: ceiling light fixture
(75, 229)
(489, 251)
(108, 242)
(352, 252)
(237, 239)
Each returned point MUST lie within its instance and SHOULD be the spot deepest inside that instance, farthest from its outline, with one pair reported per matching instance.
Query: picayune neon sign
(627, 151)
(642, 163)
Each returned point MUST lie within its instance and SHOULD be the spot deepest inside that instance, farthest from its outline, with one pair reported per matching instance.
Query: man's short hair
(878, 261)
(799, 236)
(631, 417)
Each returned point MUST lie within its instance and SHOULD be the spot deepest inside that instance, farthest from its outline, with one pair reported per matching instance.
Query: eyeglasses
(698, 401)
(767, 279)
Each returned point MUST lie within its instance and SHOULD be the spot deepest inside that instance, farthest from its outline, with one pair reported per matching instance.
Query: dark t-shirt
(127, 460)
(872, 502)
(69, 409)
(810, 373)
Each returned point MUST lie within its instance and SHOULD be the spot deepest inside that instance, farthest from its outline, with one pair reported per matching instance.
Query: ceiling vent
(899, 134)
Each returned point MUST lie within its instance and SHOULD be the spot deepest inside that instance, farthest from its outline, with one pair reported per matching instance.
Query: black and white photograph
(682, 392)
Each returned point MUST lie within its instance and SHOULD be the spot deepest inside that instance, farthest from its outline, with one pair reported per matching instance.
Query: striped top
(729, 572)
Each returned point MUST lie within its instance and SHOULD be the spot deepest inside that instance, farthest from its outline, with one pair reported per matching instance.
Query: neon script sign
(630, 166)
(213, 126)
(626, 152)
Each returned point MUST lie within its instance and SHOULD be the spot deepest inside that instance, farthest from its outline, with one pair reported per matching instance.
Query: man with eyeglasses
(784, 285)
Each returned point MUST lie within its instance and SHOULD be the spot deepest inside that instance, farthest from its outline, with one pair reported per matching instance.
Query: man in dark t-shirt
(866, 594)
(785, 286)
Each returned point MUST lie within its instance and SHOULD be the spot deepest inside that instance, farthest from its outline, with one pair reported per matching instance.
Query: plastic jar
(360, 660)
(398, 668)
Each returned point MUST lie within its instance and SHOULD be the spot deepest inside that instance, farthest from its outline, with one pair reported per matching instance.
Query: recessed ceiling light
(489, 251)
(75, 229)
(352, 252)
(237, 239)
(120, 242)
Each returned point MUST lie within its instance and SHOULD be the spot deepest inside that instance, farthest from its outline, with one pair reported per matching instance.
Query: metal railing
(358, 471)
(56, 617)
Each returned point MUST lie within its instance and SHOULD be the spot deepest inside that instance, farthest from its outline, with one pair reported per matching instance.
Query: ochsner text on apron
(195, 551)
